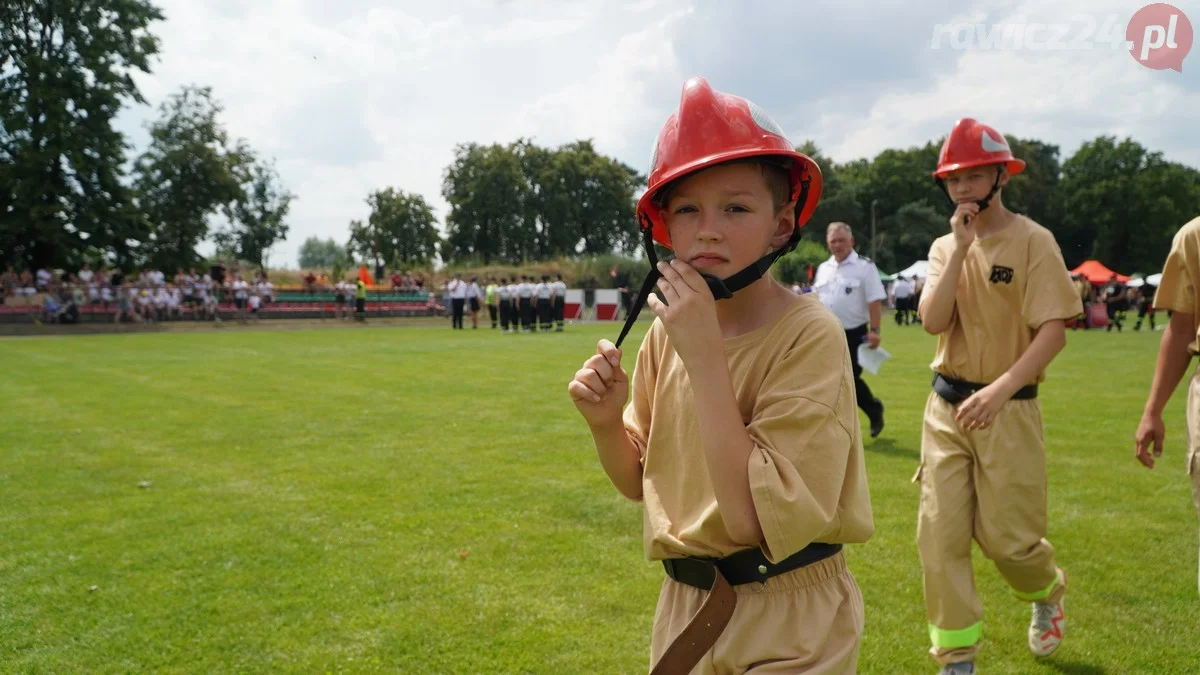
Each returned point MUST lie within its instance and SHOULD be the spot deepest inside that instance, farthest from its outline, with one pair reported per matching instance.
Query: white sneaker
(1046, 627)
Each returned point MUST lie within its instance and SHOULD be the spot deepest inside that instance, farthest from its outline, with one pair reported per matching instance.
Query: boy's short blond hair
(776, 173)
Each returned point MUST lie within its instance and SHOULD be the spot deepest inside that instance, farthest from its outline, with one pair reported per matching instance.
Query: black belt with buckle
(743, 567)
(955, 391)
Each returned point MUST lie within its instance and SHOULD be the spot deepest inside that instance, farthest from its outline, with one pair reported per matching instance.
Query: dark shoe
(877, 424)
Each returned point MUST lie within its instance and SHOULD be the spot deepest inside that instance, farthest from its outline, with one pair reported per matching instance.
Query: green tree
(257, 217)
(65, 70)
(321, 254)
(839, 198)
(487, 193)
(401, 230)
(794, 266)
(1122, 204)
(905, 236)
(589, 203)
(521, 202)
(190, 172)
(1035, 191)
(529, 240)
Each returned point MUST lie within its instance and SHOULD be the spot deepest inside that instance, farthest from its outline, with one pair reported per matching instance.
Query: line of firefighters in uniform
(514, 305)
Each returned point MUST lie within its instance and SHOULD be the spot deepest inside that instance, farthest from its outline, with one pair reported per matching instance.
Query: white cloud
(362, 94)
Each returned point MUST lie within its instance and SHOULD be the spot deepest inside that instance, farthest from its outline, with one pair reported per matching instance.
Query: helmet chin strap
(722, 289)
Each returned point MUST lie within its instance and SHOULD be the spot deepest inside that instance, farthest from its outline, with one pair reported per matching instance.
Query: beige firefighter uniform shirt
(795, 390)
(1177, 290)
(1177, 293)
(1011, 283)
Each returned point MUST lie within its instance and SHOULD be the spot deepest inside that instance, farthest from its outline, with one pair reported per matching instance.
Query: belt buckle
(669, 564)
(673, 571)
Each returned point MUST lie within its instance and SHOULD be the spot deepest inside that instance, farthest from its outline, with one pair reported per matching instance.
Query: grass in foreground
(421, 500)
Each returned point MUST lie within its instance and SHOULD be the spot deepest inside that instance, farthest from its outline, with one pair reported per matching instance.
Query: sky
(359, 95)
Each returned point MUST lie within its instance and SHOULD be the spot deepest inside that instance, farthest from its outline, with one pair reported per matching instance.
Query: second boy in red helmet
(997, 296)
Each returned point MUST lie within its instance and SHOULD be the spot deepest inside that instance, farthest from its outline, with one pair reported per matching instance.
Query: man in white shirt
(240, 292)
(543, 291)
(267, 290)
(503, 302)
(902, 291)
(473, 295)
(514, 312)
(145, 304)
(339, 300)
(848, 284)
(525, 303)
(201, 288)
(255, 303)
(174, 300)
(458, 300)
(162, 301)
(86, 274)
(560, 300)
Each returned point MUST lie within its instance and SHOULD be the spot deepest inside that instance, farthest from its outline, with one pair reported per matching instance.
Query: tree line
(69, 193)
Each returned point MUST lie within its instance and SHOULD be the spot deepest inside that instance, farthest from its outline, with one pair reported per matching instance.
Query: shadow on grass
(1070, 668)
(886, 446)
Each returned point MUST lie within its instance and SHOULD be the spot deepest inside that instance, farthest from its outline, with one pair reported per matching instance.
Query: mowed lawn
(417, 500)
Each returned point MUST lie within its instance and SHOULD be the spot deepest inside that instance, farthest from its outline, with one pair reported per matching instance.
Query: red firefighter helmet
(710, 128)
(971, 143)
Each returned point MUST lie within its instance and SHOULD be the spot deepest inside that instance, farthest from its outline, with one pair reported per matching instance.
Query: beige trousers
(988, 486)
(1193, 435)
(809, 620)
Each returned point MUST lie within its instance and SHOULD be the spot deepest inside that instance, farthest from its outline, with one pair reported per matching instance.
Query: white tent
(918, 269)
(1152, 280)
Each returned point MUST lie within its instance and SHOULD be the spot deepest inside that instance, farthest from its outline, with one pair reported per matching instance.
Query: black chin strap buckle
(719, 290)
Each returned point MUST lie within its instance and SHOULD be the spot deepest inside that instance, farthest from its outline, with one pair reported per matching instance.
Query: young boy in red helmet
(742, 439)
(1178, 293)
(998, 296)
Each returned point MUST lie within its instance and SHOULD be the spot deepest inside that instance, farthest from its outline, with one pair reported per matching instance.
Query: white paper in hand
(872, 359)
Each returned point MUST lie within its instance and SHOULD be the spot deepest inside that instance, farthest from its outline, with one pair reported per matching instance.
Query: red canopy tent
(1095, 272)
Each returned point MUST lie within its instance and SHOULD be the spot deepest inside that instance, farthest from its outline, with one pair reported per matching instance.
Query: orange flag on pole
(364, 275)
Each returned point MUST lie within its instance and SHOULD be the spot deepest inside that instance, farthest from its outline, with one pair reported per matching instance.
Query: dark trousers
(458, 304)
(526, 309)
(1146, 308)
(1116, 316)
(867, 402)
(504, 305)
(560, 305)
(492, 313)
(903, 308)
(545, 317)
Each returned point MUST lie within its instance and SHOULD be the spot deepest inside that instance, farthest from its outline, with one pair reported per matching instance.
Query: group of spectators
(401, 282)
(145, 296)
(1119, 299)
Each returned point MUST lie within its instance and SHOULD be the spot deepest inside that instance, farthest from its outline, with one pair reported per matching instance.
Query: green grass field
(418, 500)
